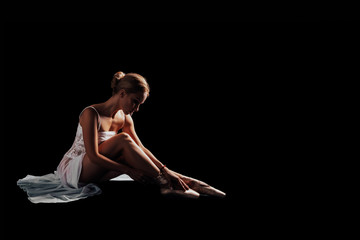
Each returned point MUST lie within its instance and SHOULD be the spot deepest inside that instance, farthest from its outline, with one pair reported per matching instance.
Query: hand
(176, 182)
(202, 187)
(192, 182)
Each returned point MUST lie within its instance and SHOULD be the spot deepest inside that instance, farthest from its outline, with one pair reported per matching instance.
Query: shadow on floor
(124, 206)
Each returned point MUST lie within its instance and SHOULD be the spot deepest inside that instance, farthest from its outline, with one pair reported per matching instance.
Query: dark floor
(134, 208)
(142, 211)
(255, 209)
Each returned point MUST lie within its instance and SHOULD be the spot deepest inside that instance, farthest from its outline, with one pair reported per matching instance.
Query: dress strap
(99, 120)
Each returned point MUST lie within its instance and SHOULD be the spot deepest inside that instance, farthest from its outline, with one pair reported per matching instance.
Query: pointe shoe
(202, 187)
(167, 190)
(178, 193)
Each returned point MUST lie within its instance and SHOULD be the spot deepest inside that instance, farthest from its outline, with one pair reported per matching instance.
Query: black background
(232, 105)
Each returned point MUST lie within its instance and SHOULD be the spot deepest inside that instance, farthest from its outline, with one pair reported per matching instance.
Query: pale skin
(123, 153)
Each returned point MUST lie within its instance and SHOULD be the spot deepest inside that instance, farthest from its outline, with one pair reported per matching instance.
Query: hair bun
(119, 75)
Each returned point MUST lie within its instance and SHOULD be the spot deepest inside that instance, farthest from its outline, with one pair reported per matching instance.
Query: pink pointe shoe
(202, 187)
(178, 193)
(167, 190)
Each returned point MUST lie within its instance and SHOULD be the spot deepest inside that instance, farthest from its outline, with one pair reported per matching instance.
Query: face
(131, 101)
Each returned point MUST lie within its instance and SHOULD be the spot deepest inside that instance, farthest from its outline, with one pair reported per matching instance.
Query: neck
(111, 106)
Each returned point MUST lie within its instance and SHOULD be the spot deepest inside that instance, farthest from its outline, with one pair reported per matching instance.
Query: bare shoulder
(88, 116)
(128, 121)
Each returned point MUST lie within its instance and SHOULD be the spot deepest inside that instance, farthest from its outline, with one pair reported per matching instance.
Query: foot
(167, 190)
(179, 193)
(202, 187)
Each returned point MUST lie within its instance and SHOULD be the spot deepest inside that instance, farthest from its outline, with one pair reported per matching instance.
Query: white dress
(63, 185)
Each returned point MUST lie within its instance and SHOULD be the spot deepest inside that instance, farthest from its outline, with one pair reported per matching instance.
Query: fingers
(180, 185)
(176, 182)
(184, 185)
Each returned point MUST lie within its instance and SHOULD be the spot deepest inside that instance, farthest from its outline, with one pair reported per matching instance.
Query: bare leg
(123, 149)
(112, 174)
(119, 148)
(202, 187)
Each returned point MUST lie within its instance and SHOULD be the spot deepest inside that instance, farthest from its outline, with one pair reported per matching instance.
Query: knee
(124, 137)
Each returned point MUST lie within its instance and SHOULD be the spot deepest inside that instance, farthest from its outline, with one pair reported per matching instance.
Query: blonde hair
(130, 82)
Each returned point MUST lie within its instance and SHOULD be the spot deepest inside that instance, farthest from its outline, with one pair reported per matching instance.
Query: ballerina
(106, 146)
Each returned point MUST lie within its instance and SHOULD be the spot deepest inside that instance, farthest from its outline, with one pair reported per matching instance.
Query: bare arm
(130, 129)
(174, 177)
(89, 123)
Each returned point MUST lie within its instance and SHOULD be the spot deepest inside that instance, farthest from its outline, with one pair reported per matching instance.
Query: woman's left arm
(130, 129)
(174, 177)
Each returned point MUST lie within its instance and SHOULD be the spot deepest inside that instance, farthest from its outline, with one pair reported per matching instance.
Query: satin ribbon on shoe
(202, 187)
